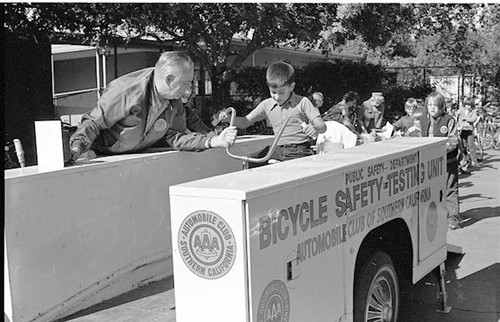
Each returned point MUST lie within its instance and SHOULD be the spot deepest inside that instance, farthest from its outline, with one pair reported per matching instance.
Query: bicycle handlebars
(247, 159)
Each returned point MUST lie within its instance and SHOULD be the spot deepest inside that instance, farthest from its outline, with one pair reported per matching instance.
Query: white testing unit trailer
(321, 238)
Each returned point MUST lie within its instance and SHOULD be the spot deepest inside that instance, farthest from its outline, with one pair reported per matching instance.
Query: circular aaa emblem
(274, 305)
(206, 244)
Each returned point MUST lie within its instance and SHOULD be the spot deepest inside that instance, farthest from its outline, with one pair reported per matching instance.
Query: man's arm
(379, 116)
(108, 111)
(197, 141)
(178, 137)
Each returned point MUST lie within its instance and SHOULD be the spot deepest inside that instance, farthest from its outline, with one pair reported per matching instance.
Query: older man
(144, 108)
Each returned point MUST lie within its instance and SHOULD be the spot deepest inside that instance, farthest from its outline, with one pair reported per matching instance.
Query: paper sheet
(388, 130)
(49, 145)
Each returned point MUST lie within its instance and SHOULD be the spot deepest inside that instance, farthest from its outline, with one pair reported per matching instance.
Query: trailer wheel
(376, 293)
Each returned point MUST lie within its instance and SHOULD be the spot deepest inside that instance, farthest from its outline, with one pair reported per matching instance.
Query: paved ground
(472, 280)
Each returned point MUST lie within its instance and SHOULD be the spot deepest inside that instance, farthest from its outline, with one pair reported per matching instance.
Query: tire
(487, 141)
(376, 290)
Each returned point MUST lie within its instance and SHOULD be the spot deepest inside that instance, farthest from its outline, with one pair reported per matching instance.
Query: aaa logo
(274, 305)
(206, 244)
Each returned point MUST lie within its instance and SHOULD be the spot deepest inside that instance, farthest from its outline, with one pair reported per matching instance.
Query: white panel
(49, 145)
(209, 259)
(86, 233)
(290, 207)
(7, 303)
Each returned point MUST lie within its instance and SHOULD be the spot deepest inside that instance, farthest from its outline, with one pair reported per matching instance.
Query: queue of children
(306, 124)
(428, 118)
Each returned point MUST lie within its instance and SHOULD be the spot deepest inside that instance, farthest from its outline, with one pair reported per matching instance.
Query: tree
(463, 36)
(205, 30)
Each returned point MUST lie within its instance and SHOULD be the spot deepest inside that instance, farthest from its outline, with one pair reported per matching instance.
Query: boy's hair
(280, 74)
(438, 98)
(411, 102)
(350, 96)
(317, 94)
(469, 101)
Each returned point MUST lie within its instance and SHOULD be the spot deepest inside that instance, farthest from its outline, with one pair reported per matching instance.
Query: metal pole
(116, 61)
(98, 72)
(104, 71)
(54, 100)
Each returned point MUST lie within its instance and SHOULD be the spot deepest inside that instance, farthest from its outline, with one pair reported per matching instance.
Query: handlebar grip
(269, 153)
(233, 115)
(19, 152)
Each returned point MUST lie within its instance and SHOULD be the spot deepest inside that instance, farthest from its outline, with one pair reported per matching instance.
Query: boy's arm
(472, 117)
(452, 142)
(398, 125)
(242, 122)
(318, 124)
(361, 116)
(313, 115)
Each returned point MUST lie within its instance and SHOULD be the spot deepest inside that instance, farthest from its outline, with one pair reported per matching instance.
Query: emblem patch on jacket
(160, 125)
(443, 129)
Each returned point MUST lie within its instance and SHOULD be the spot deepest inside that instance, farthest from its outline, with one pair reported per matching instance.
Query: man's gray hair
(171, 59)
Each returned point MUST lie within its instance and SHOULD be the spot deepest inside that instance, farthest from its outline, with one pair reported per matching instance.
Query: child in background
(466, 116)
(337, 134)
(444, 125)
(404, 123)
(416, 129)
(317, 99)
(349, 114)
(284, 103)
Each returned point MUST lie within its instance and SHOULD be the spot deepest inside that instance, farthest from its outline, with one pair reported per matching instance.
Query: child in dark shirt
(444, 125)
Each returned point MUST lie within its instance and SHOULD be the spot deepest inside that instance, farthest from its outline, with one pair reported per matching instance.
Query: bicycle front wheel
(487, 141)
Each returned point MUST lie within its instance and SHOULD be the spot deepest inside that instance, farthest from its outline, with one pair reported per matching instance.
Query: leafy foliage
(465, 36)
(334, 79)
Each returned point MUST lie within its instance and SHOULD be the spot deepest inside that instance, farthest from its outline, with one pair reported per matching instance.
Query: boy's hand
(412, 129)
(226, 138)
(309, 130)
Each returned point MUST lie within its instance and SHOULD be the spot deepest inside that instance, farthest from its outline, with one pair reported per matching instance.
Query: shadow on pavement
(472, 216)
(139, 293)
(487, 161)
(474, 298)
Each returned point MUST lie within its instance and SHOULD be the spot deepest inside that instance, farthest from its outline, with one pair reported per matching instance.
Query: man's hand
(77, 147)
(226, 138)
